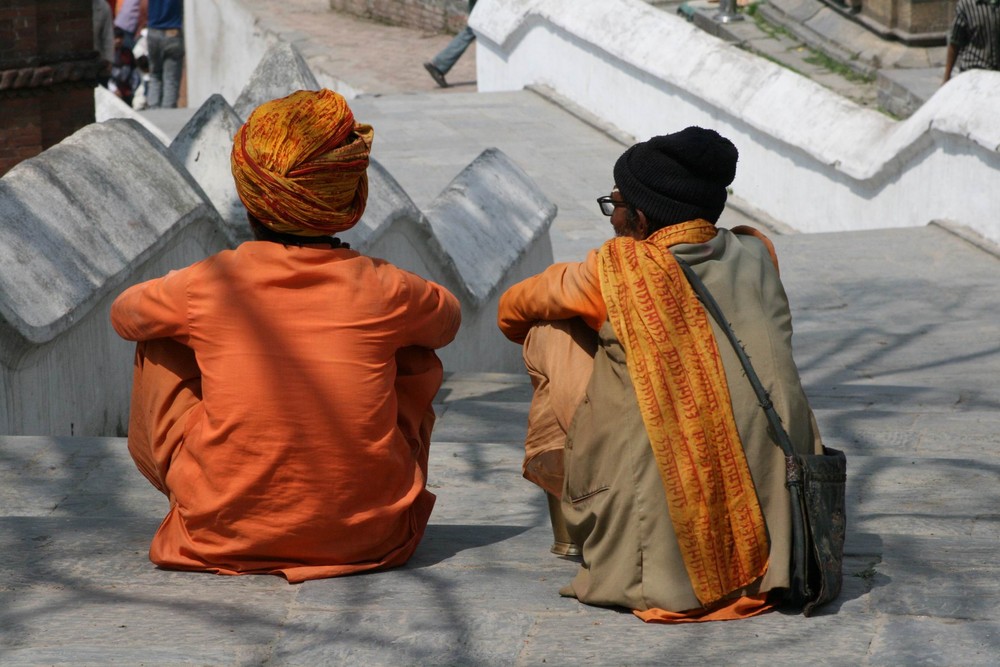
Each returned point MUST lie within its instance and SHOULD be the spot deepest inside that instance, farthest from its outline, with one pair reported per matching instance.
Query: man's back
(164, 14)
(294, 454)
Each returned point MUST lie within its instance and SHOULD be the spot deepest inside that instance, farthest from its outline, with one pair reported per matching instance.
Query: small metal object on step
(727, 12)
(563, 544)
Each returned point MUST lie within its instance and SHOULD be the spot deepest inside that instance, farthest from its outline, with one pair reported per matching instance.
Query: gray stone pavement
(898, 341)
(899, 353)
(375, 58)
(424, 140)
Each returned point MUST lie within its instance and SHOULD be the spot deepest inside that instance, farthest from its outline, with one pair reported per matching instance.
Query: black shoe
(436, 74)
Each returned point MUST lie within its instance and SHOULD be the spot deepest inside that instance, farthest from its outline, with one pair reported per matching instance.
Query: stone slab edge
(487, 218)
(968, 235)
(130, 235)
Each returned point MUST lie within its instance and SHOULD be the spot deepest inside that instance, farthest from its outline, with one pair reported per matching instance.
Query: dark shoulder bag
(815, 482)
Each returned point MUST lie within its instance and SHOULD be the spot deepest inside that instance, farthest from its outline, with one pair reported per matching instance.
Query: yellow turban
(300, 164)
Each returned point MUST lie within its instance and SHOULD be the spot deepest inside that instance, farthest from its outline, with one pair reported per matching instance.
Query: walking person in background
(441, 64)
(104, 39)
(165, 39)
(125, 76)
(974, 40)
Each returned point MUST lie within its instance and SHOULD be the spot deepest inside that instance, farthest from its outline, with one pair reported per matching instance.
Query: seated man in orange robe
(645, 426)
(282, 392)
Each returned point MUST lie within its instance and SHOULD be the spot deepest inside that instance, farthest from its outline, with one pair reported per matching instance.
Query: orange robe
(282, 402)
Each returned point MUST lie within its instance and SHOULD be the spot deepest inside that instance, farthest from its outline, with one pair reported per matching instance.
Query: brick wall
(429, 15)
(48, 68)
(917, 21)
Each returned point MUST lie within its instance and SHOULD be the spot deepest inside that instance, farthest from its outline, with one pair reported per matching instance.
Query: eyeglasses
(608, 205)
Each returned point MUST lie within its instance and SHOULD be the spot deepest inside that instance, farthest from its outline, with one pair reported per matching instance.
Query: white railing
(808, 158)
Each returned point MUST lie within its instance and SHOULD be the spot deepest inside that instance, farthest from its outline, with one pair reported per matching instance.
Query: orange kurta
(302, 448)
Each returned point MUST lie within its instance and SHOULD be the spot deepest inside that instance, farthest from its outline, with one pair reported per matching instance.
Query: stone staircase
(896, 338)
(898, 352)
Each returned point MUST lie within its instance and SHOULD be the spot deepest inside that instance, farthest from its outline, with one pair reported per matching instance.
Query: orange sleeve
(560, 292)
(756, 233)
(433, 313)
(154, 309)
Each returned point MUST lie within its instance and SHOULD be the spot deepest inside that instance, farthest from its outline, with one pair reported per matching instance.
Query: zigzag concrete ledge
(808, 158)
(82, 227)
(78, 228)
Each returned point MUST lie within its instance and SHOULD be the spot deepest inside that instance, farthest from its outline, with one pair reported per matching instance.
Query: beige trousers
(559, 357)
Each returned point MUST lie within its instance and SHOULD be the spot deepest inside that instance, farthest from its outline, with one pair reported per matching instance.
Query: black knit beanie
(678, 177)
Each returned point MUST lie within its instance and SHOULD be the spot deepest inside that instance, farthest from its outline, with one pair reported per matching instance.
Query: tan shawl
(683, 396)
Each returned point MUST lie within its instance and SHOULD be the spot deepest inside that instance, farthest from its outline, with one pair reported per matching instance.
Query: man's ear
(643, 224)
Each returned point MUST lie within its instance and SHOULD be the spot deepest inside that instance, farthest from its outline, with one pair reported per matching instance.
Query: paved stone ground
(897, 339)
(373, 57)
(899, 353)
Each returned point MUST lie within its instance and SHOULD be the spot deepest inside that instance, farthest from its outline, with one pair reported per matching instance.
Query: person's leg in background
(442, 63)
(172, 67)
(154, 92)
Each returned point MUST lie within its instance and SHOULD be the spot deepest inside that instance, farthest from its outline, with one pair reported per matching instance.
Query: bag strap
(763, 398)
(800, 591)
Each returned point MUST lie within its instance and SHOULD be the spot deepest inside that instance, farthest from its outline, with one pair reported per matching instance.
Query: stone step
(77, 588)
(898, 354)
(895, 492)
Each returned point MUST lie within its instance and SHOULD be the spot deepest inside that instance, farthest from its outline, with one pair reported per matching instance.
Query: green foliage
(821, 59)
(815, 57)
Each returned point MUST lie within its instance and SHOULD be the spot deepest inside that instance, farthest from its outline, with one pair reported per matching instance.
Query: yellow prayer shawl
(683, 396)
(300, 164)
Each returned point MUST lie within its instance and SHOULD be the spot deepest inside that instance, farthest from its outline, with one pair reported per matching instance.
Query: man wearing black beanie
(643, 424)
(678, 177)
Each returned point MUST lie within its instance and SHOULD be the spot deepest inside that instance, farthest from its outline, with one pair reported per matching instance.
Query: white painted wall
(808, 158)
(225, 40)
(78, 228)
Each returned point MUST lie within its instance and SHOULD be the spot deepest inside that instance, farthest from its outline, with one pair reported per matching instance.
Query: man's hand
(949, 62)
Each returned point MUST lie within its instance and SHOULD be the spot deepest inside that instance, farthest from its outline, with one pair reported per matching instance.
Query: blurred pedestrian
(165, 40)
(130, 16)
(441, 64)
(104, 39)
(125, 76)
(141, 55)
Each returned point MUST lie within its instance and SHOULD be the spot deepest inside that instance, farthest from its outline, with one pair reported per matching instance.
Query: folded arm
(560, 292)
(433, 313)
(153, 309)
